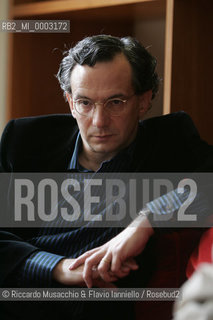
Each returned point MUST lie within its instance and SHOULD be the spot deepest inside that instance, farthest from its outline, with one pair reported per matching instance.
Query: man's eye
(116, 102)
(84, 103)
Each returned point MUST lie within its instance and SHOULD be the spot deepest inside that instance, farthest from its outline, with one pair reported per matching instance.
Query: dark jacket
(168, 143)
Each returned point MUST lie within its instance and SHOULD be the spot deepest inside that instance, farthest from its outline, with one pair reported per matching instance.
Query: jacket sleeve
(21, 264)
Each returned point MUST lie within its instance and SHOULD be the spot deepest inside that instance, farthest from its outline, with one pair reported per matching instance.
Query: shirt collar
(121, 160)
(74, 160)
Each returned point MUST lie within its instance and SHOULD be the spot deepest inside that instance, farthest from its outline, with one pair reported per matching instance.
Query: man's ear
(145, 103)
(70, 101)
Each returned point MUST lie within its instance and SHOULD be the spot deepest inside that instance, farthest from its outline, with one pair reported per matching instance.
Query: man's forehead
(116, 72)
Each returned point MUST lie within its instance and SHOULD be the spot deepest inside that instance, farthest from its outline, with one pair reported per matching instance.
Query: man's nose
(100, 117)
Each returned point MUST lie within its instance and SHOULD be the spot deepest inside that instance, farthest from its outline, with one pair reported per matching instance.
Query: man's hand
(115, 258)
(63, 275)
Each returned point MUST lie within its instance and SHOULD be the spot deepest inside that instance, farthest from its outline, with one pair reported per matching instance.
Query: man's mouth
(102, 137)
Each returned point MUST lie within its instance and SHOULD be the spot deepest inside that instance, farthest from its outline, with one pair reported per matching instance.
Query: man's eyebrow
(117, 95)
(79, 96)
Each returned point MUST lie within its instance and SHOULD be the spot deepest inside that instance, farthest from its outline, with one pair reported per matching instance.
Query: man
(109, 83)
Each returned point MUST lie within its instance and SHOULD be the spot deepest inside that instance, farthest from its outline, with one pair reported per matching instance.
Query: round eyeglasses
(114, 106)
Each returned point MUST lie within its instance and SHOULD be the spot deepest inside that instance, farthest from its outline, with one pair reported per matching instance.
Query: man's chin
(103, 149)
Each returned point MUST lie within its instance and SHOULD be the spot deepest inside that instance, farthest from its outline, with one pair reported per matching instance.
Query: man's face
(103, 134)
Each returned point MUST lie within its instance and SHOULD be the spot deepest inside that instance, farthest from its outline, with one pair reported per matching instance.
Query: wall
(151, 34)
(4, 6)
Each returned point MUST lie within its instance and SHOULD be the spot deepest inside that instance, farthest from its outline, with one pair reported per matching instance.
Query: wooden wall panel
(192, 63)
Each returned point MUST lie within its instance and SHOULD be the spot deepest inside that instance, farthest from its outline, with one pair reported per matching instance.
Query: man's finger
(116, 263)
(81, 259)
(131, 263)
(125, 268)
(122, 272)
(88, 267)
(104, 267)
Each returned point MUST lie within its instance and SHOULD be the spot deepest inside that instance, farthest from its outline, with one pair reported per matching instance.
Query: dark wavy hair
(103, 48)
